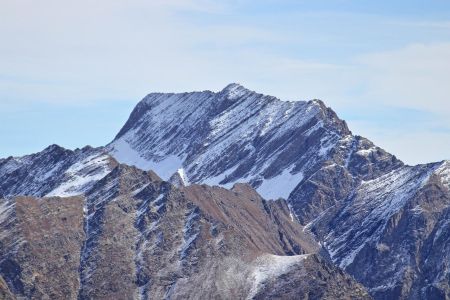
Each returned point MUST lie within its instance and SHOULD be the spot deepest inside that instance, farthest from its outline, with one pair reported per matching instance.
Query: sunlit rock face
(134, 236)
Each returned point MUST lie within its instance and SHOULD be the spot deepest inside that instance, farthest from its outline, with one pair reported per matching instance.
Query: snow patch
(82, 175)
(124, 153)
(269, 266)
(280, 186)
(183, 176)
(444, 172)
(366, 152)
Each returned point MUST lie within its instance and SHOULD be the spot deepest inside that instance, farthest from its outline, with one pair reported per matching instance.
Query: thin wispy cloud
(356, 59)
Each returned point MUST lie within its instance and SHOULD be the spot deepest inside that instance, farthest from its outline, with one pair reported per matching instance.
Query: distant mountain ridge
(382, 221)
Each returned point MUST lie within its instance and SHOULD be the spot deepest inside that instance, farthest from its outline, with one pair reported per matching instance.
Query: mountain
(134, 236)
(227, 137)
(303, 152)
(381, 221)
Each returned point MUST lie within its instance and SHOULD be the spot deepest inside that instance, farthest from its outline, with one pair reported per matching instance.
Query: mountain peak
(235, 90)
(233, 85)
(357, 199)
(54, 147)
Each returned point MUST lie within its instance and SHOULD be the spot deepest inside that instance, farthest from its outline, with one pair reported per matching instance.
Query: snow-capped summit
(235, 91)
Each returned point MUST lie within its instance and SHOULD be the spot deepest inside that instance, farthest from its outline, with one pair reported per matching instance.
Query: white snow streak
(269, 266)
(82, 175)
(124, 153)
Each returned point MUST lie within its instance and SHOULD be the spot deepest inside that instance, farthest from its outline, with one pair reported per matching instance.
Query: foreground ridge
(194, 242)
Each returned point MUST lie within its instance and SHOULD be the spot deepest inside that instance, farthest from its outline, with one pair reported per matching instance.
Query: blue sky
(72, 71)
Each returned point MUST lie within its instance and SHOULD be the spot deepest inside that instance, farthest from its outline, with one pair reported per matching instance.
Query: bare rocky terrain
(145, 238)
(40, 245)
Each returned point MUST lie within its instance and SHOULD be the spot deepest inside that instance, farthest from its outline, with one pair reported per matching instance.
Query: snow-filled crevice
(191, 231)
(146, 227)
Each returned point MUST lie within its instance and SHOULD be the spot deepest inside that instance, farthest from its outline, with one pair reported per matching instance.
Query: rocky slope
(135, 236)
(54, 172)
(40, 245)
(383, 222)
(400, 246)
(342, 187)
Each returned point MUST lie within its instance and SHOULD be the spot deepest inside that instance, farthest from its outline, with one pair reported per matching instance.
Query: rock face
(40, 245)
(135, 236)
(384, 223)
(54, 172)
(393, 247)
(320, 283)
